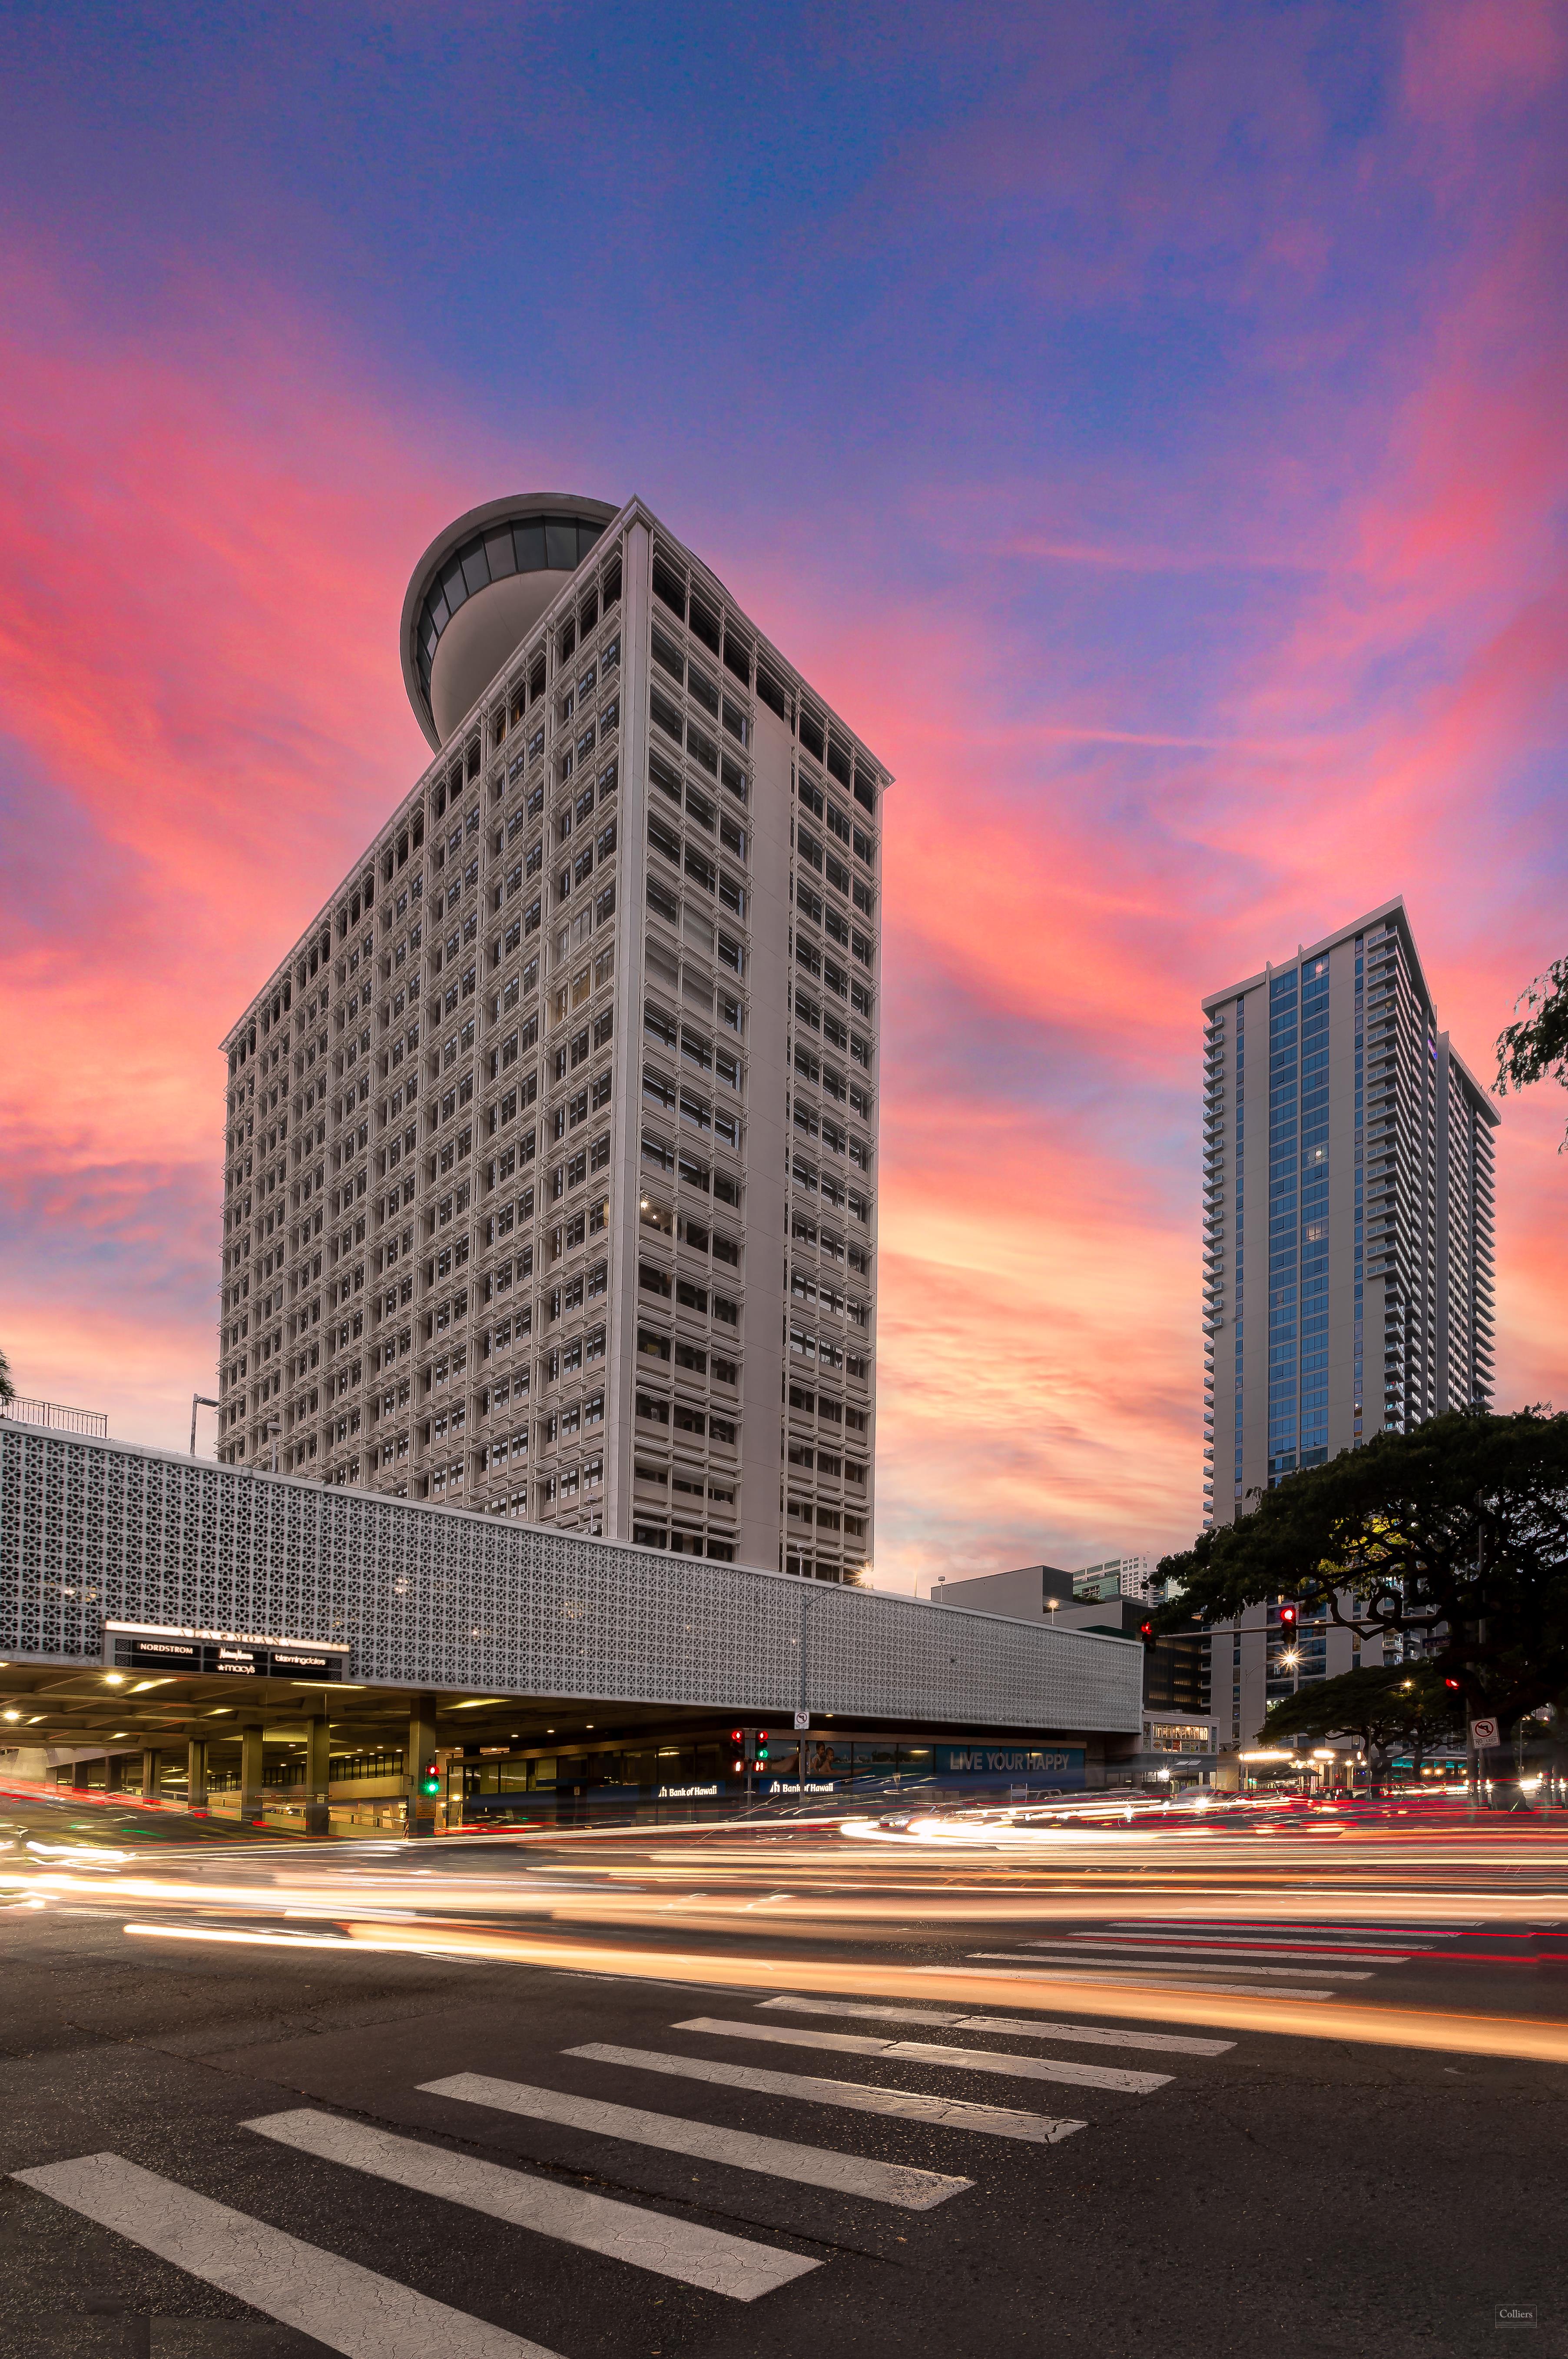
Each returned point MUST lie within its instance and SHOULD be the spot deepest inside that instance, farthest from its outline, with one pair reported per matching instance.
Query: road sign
(803, 1720)
(1483, 1732)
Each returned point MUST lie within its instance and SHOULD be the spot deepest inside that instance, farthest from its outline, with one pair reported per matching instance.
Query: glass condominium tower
(1347, 1211)
(551, 1144)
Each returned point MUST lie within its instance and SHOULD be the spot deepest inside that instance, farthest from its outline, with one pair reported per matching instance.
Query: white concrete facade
(550, 1174)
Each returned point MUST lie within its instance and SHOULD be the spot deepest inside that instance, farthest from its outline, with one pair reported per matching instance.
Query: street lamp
(198, 1401)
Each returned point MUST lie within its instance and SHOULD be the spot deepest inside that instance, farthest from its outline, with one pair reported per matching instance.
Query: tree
(1456, 1532)
(8, 1389)
(1386, 1705)
(1537, 1046)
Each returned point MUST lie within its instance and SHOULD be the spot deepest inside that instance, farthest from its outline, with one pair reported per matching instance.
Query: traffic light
(1451, 1683)
(761, 1749)
(430, 1778)
(1288, 1617)
(1146, 1631)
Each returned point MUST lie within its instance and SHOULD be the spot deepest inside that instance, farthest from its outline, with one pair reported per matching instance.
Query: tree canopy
(1537, 1046)
(1384, 1705)
(1457, 1530)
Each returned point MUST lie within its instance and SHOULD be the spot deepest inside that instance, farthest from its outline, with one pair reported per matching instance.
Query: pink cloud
(1463, 58)
(207, 541)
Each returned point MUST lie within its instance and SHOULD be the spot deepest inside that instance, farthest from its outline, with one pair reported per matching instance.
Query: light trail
(1451, 2032)
(855, 1916)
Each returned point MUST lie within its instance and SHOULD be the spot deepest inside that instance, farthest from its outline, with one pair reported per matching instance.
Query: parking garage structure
(329, 1659)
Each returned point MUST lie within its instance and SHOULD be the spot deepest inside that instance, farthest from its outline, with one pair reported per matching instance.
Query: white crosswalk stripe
(346, 2307)
(854, 2096)
(1160, 1961)
(1334, 1929)
(920, 2051)
(1129, 1978)
(353, 2310)
(1259, 1953)
(809, 2166)
(1082, 2034)
(682, 2249)
(1212, 1953)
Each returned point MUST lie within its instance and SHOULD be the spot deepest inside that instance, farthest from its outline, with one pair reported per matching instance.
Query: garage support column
(421, 1749)
(196, 1774)
(318, 1772)
(152, 1773)
(253, 1794)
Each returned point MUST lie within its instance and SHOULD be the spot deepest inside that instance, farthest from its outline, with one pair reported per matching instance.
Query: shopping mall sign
(206, 1654)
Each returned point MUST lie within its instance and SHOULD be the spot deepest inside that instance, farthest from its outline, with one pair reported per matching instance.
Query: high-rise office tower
(550, 1183)
(1359, 1146)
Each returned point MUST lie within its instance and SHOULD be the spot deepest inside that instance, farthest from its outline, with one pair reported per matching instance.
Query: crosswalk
(1318, 1959)
(300, 2282)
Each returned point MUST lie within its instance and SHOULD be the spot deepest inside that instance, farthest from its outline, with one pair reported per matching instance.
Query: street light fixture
(198, 1401)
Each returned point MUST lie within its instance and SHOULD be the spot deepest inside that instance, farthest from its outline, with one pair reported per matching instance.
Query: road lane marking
(1329, 1928)
(1130, 1980)
(809, 2166)
(682, 2249)
(1222, 1952)
(1085, 2035)
(856, 2096)
(346, 2308)
(1117, 1954)
(920, 2051)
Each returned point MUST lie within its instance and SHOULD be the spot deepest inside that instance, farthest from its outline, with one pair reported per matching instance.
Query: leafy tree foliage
(1386, 1705)
(1456, 1532)
(1537, 1046)
(8, 1389)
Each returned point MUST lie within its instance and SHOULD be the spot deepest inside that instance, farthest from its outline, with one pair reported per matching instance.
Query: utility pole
(198, 1401)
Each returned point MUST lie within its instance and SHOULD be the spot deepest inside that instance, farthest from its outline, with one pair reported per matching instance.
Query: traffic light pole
(421, 1748)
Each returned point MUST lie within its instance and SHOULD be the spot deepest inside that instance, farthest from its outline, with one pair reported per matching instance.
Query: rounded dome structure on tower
(480, 588)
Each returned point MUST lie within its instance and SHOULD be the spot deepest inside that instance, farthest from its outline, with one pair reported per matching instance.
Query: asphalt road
(229, 2138)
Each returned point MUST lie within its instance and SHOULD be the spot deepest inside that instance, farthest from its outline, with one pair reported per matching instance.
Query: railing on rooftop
(93, 1421)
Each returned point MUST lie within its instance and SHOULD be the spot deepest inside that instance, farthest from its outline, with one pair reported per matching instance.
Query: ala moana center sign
(149, 1645)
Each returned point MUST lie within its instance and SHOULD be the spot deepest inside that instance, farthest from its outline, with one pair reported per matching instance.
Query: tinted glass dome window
(480, 588)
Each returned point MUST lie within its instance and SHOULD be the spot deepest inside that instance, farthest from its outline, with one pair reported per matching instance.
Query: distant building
(1180, 1732)
(1365, 1146)
(1023, 1595)
(1117, 1576)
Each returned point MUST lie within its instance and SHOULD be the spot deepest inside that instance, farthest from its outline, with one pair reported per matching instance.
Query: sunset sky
(1145, 423)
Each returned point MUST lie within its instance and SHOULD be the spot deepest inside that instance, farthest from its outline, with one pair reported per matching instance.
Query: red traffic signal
(1288, 1617)
(737, 1736)
(1146, 1629)
(1451, 1683)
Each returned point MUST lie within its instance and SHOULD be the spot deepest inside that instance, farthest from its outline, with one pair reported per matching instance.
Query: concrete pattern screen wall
(436, 1598)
